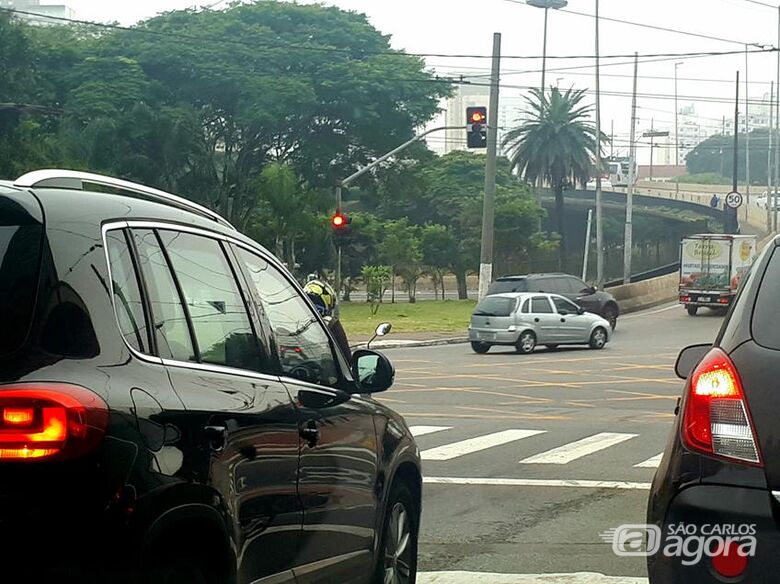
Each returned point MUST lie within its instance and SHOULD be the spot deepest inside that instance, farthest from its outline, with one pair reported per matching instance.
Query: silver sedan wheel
(398, 548)
(526, 343)
(598, 339)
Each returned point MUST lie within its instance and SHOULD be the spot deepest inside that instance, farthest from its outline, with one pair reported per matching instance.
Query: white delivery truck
(711, 268)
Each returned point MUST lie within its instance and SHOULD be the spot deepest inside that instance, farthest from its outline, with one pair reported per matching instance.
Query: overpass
(653, 291)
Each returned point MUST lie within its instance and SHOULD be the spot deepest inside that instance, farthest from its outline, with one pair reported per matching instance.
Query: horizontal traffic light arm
(395, 151)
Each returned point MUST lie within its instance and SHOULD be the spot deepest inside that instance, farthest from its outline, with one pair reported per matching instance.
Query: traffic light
(476, 127)
(339, 222)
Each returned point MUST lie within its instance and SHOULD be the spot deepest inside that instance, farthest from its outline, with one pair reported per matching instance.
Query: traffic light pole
(488, 209)
(353, 177)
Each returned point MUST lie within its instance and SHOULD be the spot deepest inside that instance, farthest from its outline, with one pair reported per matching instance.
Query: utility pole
(769, 195)
(488, 210)
(723, 134)
(747, 136)
(729, 214)
(676, 115)
(652, 146)
(612, 139)
(587, 246)
(777, 134)
(338, 244)
(628, 243)
(599, 202)
(544, 50)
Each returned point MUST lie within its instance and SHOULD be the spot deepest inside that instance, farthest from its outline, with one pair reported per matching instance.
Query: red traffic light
(476, 127)
(476, 115)
(339, 221)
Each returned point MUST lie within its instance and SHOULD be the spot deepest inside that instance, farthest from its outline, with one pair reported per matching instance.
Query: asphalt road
(504, 435)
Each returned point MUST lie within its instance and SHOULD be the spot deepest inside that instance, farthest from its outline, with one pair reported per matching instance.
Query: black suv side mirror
(689, 358)
(580, 310)
(373, 371)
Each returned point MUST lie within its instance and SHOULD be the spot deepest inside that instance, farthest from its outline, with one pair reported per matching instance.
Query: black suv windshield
(495, 306)
(504, 286)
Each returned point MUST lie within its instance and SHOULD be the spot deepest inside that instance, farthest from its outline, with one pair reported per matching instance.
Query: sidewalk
(393, 340)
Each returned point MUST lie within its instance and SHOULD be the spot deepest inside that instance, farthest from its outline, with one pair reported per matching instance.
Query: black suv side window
(302, 344)
(220, 321)
(128, 301)
(171, 328)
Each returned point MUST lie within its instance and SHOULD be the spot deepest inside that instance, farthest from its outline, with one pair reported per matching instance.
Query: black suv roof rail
(74, 179)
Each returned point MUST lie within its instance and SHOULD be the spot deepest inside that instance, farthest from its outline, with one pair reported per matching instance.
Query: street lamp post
(676, 114)
(599, 202)
(546, 4)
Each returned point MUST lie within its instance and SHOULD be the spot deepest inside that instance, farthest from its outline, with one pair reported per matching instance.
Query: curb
(411, 344)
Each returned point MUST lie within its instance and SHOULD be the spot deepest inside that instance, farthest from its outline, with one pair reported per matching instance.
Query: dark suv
(151, 429)
(571, 287)
(721, 467)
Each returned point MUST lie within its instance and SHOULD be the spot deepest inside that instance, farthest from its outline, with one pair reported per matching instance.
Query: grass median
(425, 316)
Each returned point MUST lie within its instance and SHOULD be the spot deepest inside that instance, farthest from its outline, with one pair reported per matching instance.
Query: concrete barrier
(646, 294)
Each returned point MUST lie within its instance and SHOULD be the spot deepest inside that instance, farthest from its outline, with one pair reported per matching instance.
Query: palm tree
(557, 144)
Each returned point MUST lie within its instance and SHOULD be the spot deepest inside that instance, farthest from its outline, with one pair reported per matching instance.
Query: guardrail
(649, 274)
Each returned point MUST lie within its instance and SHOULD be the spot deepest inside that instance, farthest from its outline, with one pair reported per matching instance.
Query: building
(475, 92)
(758, 116)
(41, 13)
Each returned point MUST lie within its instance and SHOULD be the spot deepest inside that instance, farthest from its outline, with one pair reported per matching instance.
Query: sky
(463, 27)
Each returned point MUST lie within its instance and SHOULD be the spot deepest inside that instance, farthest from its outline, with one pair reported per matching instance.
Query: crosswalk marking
(423, 430)
(653, 462)
(563, 483)
(576, 450)
(456, 449)
(575, 578)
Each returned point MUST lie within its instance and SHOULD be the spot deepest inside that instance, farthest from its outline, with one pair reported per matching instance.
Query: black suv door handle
(310, 433)
(217, 436)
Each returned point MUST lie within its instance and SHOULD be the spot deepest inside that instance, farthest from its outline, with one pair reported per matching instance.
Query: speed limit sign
(734, 200)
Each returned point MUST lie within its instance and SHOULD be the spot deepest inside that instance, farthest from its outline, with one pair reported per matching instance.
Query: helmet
(322, 295)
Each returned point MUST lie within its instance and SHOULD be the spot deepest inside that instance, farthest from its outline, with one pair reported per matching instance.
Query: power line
(757, 3)
(351, 52)
(645, 25)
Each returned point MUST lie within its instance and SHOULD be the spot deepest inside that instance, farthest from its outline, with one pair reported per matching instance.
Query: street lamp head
(554, 4)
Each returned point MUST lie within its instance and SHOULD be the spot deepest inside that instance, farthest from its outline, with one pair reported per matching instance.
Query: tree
(556, 144)
(716, 155)
(437, 245)
(313, 87)
(400, 249)
(377, 278)
(288, 212)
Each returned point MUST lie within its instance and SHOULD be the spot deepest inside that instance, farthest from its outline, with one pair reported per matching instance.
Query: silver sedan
(525, 320)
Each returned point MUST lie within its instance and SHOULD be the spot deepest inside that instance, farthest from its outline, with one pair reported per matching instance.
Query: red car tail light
(42, 420)
(716, 418)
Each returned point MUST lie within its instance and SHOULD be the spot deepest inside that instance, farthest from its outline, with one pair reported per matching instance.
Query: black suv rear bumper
(705, 506)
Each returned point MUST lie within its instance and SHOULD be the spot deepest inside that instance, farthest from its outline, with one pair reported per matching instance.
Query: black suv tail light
(45, 420)
(717, 419)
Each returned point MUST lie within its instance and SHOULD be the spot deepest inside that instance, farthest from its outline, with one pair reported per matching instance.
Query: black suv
(151, 428)
(592, 300)
(720, 473)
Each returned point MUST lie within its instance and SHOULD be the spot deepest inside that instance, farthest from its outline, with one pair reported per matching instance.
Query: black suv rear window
(495, 306)
(766, 329)
(20, 252)
(505, 286)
